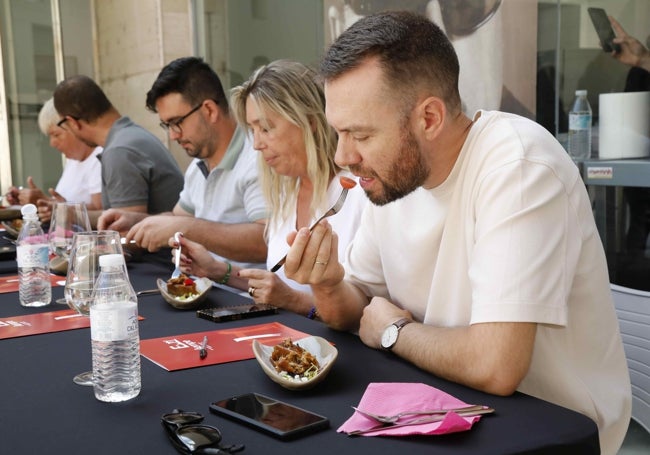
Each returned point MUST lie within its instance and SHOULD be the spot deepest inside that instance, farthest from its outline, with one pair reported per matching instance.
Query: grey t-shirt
(137, 169)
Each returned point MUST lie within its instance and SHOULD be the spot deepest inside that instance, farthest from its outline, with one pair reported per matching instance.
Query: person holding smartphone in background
(633, 52)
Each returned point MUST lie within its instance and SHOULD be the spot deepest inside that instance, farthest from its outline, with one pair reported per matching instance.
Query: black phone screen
(274, 417)
(233, 313)
(603, 29)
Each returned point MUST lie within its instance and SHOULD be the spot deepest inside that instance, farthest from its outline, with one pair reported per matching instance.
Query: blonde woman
(282, 106)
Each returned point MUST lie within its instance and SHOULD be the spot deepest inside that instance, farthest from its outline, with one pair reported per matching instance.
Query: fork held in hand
(177, 257)
(335, 208)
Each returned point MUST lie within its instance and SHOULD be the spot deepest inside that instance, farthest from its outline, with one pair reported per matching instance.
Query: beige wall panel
(135, 39)
(177, 37)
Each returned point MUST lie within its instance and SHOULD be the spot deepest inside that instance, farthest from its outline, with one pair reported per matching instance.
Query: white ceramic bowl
(317, 346)
(203, 285)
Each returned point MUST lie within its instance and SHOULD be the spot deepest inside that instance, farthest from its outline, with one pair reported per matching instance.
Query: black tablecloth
(7, 254)
(43, 411)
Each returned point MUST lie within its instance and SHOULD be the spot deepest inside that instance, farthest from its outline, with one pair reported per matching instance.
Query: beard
(405, 174)
(192, 152)
(203, 144)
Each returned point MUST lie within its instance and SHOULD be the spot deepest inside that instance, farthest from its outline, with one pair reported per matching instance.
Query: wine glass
(83, 270)
(67, 219)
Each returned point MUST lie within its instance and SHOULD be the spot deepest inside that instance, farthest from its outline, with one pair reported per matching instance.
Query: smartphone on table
(236, 312)
(604, 29)
(276, 418)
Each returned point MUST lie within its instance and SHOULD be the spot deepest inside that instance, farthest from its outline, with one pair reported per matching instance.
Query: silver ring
(251, 291)
(320, 263)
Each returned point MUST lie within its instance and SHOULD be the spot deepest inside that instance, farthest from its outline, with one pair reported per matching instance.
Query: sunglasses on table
(189, 436)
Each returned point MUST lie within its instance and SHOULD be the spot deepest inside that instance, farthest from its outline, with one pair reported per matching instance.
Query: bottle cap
(581, 93)
(28, 211)
(111, 260)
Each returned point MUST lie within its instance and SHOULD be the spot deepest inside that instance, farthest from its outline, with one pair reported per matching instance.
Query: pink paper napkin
(393, 397)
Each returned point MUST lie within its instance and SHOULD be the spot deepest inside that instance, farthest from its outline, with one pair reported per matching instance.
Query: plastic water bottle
(114, 333)
(32, 256)
(580, 127)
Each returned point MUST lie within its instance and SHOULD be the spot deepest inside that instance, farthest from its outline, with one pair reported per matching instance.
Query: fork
(177, 257)
(394, 418)
(335, 208)
(422, 420)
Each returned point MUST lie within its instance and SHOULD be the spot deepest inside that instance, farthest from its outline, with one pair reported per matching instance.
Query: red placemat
(35, 324)
(179, 352)
(10, 283)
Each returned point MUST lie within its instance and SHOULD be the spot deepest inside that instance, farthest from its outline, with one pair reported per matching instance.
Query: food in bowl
(320, 348)
(182, 287)
(294, 362)
(188, 301)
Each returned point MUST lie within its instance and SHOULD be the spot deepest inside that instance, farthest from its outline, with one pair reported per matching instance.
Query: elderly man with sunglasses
(139, 174)
(221, 205)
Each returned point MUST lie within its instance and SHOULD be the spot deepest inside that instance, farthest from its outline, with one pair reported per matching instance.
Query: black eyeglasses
(188, 436)
(175, 126)
(65, 119)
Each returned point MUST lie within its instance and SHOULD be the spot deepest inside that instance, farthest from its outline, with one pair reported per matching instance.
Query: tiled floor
(637, 441)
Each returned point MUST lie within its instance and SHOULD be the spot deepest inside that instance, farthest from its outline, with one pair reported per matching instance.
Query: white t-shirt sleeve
(521, 255)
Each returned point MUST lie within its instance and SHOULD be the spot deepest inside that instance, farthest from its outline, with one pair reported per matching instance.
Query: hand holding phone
(603, 29)
(279, 419)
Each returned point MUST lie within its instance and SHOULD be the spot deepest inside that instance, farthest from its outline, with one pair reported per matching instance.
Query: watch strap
(398, 325)
(401, 323)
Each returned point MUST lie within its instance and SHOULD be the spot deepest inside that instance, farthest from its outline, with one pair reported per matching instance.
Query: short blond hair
(48, 116)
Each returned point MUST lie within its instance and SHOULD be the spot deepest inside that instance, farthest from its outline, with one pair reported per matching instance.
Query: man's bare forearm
(238, 242)
(340, 306)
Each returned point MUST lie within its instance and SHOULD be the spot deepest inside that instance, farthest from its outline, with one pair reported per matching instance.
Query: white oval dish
(203, 285)
(320, 348)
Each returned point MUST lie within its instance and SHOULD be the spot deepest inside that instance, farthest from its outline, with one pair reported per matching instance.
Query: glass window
(29, 78)
(29, 63)
(569, 57)
(256, 32)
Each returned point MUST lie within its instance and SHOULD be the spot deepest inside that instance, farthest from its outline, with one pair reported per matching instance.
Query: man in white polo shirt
(221, 204)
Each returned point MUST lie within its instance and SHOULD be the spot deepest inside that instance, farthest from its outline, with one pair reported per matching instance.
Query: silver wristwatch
(389, 337)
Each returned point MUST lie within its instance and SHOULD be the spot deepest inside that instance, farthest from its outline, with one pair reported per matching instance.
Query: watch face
(389, 337)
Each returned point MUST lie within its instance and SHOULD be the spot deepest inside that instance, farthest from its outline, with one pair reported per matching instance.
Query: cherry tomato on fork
(347, 183)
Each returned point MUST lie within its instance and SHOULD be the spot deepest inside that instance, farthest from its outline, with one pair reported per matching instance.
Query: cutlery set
(434, 415)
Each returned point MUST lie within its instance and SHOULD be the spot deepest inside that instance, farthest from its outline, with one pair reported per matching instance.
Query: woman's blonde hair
(291, 90)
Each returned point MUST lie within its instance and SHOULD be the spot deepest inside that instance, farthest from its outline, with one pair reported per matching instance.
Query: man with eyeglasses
(138, 172)
(221, 204)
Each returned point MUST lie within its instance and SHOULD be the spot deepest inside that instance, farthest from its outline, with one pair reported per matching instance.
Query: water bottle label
(579, 121)
(32, 255)
(113, 321)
